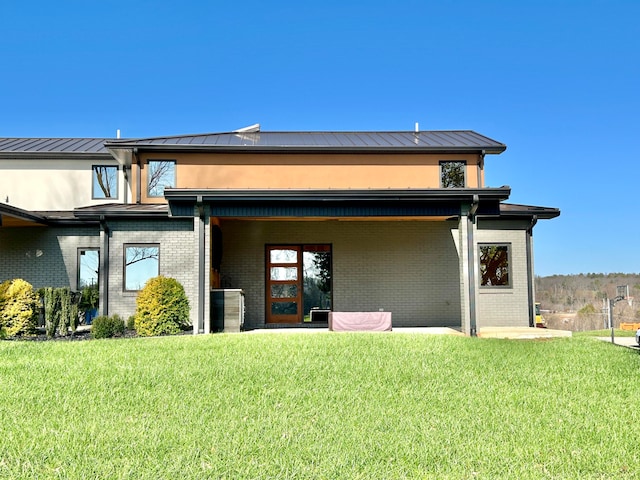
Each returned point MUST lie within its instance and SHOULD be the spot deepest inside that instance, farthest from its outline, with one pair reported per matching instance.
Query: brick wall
(178, 258)
(505, 307)
(407, 268)
(45, 257)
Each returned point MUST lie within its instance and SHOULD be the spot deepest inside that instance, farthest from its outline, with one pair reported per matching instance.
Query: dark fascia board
(528, 211)
(15, 212)
(297, 149)
(447, 194)
(56, 156)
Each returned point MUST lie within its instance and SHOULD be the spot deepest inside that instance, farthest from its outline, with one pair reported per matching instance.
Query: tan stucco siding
(52, 184)
(317, 171)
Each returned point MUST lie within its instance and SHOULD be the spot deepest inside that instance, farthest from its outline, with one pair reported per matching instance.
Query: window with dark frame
(104, 181)
(495, 265)
(161, 174)
(453, 174)
(88, 267)
(141, 263)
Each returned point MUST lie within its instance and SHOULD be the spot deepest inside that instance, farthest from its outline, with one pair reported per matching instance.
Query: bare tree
(139, 254)
(106, 177)
(160, 175)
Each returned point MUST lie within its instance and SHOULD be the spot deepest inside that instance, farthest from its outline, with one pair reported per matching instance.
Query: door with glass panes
(284, 284)
(298, 280)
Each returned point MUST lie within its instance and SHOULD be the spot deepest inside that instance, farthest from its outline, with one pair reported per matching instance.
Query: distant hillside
(583, 295)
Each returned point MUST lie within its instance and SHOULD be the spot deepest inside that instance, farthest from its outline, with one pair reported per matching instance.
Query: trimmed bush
(18, 308)
(50, 316)
(107, 327)
(131, 322)
(162, 307)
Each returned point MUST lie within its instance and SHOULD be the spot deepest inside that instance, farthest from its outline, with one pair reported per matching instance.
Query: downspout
(104, 266)
(471, 220)
(138, 176)
(530, 276)
(201, 267)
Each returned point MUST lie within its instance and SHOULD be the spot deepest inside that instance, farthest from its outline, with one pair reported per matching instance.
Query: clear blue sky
(557, 81)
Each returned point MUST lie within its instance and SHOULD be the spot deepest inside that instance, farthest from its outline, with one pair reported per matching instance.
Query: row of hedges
(162, 308)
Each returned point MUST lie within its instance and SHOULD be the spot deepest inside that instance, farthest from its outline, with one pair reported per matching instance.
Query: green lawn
(322, 405)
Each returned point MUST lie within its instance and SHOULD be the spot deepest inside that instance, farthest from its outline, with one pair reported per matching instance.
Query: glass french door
(284, 284)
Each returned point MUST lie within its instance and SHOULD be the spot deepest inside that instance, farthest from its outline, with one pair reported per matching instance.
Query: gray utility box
(227, 310)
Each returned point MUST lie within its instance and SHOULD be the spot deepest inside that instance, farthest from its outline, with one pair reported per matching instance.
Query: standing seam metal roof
(464, 139)
(53, 145)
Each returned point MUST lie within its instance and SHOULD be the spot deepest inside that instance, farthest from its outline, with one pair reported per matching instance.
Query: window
(105, 181)
(453, 174)
(495, 268)
(88, 267)
(161, 174)
(141, 262)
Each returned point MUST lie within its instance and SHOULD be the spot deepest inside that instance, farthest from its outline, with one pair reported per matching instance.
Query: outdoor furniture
(360, 321)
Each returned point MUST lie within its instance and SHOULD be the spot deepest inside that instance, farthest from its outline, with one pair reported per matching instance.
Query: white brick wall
(505, 307)
(178, 258)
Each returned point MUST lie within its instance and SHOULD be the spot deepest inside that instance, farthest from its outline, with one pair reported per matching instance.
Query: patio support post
(104, 267)
(201, 231)
(530, 272)
(471, 265)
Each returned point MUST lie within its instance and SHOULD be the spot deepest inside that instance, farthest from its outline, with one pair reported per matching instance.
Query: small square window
(495, 265)
(453, 174)
(104, 181)
(141, 262)
(161, 174)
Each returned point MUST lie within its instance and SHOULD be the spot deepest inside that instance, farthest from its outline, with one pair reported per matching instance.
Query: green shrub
(107, 327)
(588, 309)
(18, 308)
(162, 307)
(131, 322)
(64, 310)
(50, 316)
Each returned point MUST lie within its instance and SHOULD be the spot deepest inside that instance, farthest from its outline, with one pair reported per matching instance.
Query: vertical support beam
(468, 261)
(138, 176)
(471, 265)
(104, 267)
(530, 273)
(201, 232)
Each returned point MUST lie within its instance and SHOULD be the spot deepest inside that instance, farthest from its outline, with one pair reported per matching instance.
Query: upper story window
(105, 181)
(453, 174)
(161, 174)
(495, 267)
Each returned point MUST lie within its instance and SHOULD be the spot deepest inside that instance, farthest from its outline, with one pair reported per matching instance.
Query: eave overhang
(509, 210)
(335, 203)
(14, 216)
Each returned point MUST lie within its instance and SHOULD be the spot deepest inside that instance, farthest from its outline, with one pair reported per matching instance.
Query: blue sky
(557, 81)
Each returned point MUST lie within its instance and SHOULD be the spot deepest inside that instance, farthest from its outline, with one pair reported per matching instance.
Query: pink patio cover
(360, 321)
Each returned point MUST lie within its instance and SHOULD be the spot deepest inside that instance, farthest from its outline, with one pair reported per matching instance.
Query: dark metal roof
(123, 210)
(514, 210)
(53, 145)
(437, 141)
(21, 214)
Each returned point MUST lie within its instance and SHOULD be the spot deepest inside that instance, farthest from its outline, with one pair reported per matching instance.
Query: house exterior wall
(51, 184)
(505, 306)
(45, 257)
(407, 268)
(313, 171)
(178, 258)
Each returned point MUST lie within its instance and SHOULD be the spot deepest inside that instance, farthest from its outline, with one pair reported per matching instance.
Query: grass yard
(329, 406)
